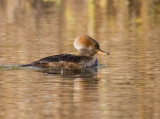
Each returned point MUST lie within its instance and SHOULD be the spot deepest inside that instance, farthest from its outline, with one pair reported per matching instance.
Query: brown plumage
(66, 61)
(87, 47)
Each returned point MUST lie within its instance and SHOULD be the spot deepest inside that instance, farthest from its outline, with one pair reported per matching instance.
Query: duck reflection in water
(87, 47)
(87, 73)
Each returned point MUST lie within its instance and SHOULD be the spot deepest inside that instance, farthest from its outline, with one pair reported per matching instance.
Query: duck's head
(87, 46)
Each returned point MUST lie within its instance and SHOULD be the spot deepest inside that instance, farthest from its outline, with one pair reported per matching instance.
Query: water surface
(125, 87)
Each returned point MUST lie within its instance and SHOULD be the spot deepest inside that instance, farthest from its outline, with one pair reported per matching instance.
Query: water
(125, 86)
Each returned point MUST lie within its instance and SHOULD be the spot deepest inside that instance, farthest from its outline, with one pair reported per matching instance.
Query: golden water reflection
(127, 88)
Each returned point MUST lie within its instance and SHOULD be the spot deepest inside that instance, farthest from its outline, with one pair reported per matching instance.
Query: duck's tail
(25, 65)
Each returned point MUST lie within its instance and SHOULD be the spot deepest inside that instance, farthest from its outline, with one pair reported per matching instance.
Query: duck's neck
(84, 52)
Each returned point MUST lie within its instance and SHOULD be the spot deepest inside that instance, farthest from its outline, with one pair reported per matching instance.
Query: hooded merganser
(87, 47)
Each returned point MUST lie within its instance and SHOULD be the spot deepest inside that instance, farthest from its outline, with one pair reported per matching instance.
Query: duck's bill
(103, 53)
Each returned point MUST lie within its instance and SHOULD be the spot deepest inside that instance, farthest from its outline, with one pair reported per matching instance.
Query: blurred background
(128, 87)
(46, 27)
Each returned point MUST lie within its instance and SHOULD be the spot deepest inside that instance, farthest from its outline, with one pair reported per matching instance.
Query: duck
(87, 47)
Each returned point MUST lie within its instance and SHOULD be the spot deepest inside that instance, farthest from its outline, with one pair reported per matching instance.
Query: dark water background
(127, 88)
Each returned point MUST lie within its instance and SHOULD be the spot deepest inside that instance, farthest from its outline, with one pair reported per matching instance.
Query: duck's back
(67, 61)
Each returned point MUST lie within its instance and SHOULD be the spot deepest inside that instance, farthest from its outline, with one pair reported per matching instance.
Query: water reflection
(84, 73)
(44, 95)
